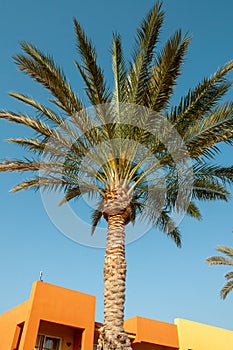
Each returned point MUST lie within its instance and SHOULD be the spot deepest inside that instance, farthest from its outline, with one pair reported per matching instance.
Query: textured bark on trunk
(112, 335)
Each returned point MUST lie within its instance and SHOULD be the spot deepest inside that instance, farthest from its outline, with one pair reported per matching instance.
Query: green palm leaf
(121, 92)
(201, 99)
(91, 73)
(42, 68)
(206, 133)
(147, 37)
(165, 71)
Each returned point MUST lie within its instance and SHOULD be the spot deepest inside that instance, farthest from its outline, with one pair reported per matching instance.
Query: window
(18, 335)
(45, 342)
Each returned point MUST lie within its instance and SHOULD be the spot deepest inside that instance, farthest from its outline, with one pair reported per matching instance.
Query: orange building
(49, 320)
(56, 318)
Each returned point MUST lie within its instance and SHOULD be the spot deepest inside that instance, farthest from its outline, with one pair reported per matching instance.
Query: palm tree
(132, 150)
(221, 260)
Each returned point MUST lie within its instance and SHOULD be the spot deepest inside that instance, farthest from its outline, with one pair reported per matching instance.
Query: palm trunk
(112, 334)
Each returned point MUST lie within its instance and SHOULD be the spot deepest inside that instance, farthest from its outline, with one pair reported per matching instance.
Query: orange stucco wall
(161, 334)
(149, 346)
(62, 306)
(8, 325)
(49, 303)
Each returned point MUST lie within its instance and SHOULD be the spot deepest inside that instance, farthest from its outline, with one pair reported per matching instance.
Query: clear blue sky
(163, 282)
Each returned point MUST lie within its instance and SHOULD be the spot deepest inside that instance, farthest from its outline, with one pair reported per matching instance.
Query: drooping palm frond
(229, 275)
(96, 216)
(228, 287)
(72, 192)
(210, 182)
(221, 260)
(136, 209)
(166, 225)
(209, 131)
(209, 190)
(151, 210)
(193, 211)
(201, 99)
(208, 171)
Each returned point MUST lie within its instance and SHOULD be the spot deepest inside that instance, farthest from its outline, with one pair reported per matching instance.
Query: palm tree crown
(221, 260)
(131, 149)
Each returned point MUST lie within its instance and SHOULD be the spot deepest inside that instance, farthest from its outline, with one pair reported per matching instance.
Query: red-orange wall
(62, 306)
(163, 335)
(8, 325)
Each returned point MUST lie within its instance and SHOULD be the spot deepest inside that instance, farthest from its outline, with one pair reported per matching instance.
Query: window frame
(44, 340)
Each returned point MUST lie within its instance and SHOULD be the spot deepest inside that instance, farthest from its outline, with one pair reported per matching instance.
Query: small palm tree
(221, 260)
(131, 151)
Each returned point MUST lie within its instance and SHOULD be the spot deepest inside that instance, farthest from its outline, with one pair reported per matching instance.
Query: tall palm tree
(132, 150)
(221, 260)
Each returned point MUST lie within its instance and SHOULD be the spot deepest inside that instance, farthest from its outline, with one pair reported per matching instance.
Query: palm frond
(43, 69)
(210, 130)
(150, 209)
(49, 183)
(208, 189)
(229, 275)
(209, 171)
(166, 71)
(219, 260)
(121, 90)
(125, 147)
(19, 165)
(201, 99)
(166, 224)
(225, 250)
(35, 165)
(226, 289)
(55, 141)
(96, 216)
(44, 112)
(33, 144)
(80, 120)
(25, 120)
(193, 211)
(135, 210)
(71, 193)
(148, 33)
(91, 73)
